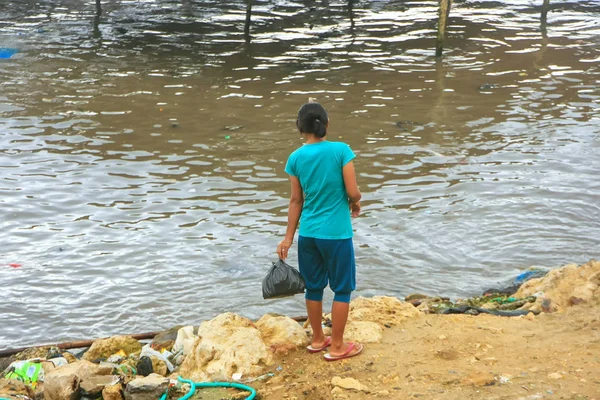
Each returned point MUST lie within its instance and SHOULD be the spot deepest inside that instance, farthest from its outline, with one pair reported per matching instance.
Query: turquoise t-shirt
(318, 166)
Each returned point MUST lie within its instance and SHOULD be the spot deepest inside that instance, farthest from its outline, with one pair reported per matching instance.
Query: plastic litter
(185, 340)
(476, 311)
(28, 372)
(7, 52)
(150, 352)
(282, 280)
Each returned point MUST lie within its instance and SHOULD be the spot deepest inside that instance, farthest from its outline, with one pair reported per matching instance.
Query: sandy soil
(549, 356)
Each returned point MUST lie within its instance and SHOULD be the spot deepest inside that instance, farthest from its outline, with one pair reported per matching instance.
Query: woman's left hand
(283, 247)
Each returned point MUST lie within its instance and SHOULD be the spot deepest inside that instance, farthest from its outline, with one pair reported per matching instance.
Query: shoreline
(412, 350)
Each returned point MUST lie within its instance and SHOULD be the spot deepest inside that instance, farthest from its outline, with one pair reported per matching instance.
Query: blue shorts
(324, 261)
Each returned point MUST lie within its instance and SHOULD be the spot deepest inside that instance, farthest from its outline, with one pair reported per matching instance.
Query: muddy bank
(413, 349)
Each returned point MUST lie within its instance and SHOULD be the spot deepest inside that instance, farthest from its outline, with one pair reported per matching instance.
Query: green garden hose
(194, 385)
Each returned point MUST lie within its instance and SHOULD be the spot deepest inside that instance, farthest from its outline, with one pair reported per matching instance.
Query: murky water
(141, 159)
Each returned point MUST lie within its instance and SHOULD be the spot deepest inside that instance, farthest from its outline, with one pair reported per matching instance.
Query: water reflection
(141, 157)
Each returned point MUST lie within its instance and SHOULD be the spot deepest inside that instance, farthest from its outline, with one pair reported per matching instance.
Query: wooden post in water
(98, 8)
(544, 17)
(248, 20)
(444, 13)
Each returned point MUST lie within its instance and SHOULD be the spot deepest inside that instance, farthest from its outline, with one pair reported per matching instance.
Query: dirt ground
(549, 356)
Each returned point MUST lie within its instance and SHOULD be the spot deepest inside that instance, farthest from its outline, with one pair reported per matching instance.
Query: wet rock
(488, 86)
(93, 386)
(113, 392)
(144, 366)
(415, 296)
(104, 348)
(282, 334)
(479, 379)
(165, 339)
(226, 345)
(150, 387)
(563, 287)
(349, 384)
(14, 389)
(64, 382)
(363, 332)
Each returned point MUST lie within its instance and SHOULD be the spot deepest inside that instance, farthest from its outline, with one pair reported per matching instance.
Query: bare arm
(294, 211)
(352, 191)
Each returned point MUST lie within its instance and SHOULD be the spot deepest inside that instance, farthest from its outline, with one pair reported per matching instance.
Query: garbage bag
(282, 280)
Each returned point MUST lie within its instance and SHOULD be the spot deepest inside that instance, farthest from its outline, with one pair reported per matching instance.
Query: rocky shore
(538, 339)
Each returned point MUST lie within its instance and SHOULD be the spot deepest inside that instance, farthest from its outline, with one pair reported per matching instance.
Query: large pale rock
(104, 348)
(14, 389)
(382, 310)
(226, 345)
(563, 287)
(282, 334)
(64, 382)
(363, 332)
(150, 387)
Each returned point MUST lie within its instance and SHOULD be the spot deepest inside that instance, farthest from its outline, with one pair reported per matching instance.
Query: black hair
(312, 118)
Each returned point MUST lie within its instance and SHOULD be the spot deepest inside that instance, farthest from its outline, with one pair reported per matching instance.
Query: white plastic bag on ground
(149, 351)
(185, 340)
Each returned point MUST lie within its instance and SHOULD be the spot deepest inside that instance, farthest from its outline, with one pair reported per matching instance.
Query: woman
(324, 195)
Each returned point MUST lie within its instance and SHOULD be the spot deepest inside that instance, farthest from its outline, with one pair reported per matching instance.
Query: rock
(14, 389)
(185, 340)
(390, 378)
(555, 376)
(530, 317)
(349, 384)
(479, 379)
(448, 354)
(150, 387)
(382, 310)
(226, 345)
(104, 348)
(94, 385)
(415, 296)
(64, 382)
(113, 392)
(282, 334)
(145, 366)
(384, 393)
(563, 287)
(165, 339)
(159, 366)
(363, 332)
(69, 357)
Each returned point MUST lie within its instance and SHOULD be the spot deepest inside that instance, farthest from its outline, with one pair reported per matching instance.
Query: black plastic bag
(282, 280)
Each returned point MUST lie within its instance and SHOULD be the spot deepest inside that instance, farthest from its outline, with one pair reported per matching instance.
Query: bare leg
(315, 317)
(339, 317)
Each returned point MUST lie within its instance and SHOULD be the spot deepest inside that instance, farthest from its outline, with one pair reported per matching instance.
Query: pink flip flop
(326, 344)
(347, 354)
